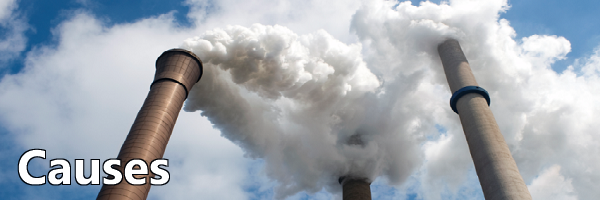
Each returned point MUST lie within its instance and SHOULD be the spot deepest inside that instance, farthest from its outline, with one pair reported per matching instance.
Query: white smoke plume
(295, 100)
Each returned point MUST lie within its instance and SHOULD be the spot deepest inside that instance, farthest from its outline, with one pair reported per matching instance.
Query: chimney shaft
(177, 70)
(355, 188)
(497, 171)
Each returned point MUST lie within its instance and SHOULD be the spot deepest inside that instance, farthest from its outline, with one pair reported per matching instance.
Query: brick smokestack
(177, 70)
(354, 188)
(497, 171)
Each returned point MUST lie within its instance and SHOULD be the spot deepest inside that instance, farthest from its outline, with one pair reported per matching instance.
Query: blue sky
(574, 21)
(47, 25)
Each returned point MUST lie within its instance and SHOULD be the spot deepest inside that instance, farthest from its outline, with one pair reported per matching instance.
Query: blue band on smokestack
(466, 90)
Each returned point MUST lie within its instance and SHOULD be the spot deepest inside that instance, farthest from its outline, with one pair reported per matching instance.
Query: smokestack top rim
(451, 43)
(190, 53)
(343, 179)
(448, 40)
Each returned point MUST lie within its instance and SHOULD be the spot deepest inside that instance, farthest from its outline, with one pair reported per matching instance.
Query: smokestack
(177, 70)
(354, 188)
(497, 171)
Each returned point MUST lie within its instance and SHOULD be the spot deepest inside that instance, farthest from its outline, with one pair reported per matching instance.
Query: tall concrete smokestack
(497, 171)
(177, 70)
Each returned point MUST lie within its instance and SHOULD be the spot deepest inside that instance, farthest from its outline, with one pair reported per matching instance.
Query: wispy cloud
(12, 31)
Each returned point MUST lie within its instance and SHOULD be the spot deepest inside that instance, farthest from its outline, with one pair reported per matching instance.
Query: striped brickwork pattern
(176, 72)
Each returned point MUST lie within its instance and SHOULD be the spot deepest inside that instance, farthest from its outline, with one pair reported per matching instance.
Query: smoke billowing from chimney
(296, 101)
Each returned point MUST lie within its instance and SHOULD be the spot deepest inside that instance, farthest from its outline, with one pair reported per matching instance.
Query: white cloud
(543, 50)
(552, 185)
(12, 31)
(6, 8)
(590, 67)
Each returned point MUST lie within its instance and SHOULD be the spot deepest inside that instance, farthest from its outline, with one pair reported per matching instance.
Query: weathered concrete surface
(176, 72)
(497, 171)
